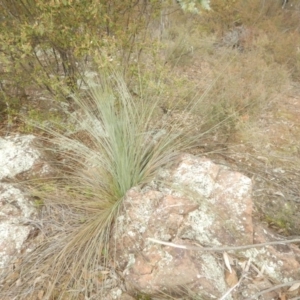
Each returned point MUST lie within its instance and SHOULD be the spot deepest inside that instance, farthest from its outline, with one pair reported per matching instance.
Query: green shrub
(46, 45)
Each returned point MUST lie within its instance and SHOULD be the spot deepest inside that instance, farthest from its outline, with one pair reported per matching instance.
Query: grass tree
(114, 146)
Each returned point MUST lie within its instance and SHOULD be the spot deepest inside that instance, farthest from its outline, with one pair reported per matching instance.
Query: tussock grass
(116, 146)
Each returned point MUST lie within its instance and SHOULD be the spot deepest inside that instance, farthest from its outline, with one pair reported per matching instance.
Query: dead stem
(221, 249)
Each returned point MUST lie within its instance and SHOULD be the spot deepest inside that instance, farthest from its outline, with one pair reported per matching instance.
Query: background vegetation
(222, 81)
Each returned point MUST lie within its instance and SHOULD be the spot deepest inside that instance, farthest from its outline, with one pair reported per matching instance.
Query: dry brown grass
(255, 99)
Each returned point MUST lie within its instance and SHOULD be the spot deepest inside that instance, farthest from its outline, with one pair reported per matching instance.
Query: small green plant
(38, 203)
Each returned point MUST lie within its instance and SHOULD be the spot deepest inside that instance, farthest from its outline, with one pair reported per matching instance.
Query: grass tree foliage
(115, 147)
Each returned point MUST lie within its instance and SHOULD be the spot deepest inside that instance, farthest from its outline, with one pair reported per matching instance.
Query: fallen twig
(273, 288)
(221, 249)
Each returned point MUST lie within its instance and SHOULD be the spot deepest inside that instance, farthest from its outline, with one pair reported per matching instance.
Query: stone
(15, 211)
(16, 156)
(206, 204)
(19, 159)
(196, 202)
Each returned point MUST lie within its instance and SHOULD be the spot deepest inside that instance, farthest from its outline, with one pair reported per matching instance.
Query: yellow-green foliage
(47, 44)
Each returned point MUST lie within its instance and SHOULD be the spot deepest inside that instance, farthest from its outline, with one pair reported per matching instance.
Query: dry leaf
(278, 194)
(294, 287)
(40, 294)
(231, 278)
(227, 262)
(18, 282)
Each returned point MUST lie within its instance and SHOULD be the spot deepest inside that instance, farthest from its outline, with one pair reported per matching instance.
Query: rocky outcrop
(192, 205)
(196, 202)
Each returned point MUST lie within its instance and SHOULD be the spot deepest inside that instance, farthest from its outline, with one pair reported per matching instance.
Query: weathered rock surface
(196, 202)
(17, 157)
(15, 211)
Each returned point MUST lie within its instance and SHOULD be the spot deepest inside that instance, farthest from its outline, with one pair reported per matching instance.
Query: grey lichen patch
(271, 266)
(12, 238)
(167, 258)
(16, 155)
(240, 185)
(130, 263)
(11, 195)
(145, 210)
(211, 269)
(197, 174)
(135, 216)
(15, 209)
(198, 227)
